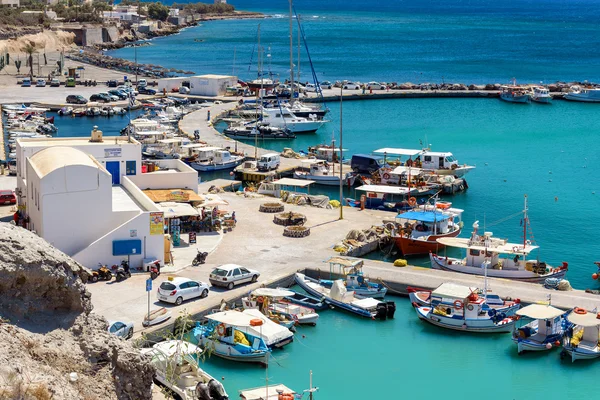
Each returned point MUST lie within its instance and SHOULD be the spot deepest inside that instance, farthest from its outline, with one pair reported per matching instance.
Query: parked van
(364, 163)
(268, 162)
(26, 82)
(70, 82)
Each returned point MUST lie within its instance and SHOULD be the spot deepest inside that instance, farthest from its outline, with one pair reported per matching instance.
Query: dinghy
(156, 317)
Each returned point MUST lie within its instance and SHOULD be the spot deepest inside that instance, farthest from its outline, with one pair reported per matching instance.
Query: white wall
(100, 251)
(211, 86)
(169, 83)
(139, 196)
(179, 176)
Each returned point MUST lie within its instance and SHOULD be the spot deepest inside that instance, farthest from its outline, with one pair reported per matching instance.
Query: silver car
(229, 275)
(121, 329)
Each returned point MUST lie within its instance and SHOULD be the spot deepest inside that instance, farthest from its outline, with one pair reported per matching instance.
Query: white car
(121, 329)
(177, 290)
(326, 85)
(351, 86)
(375, 86)
(311, 87)
(229, 275)
(40, 83)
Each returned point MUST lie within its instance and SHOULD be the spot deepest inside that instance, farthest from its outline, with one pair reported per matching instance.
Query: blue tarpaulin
(424, 216)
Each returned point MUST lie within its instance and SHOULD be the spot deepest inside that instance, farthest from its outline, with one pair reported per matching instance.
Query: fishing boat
(540, 94)
(459, 308)
(486, 247)
(319, 171)
(545, 330)
(232, 335)
(421, 182)
(270, 303)
(273, 333)
(214, 159)
(177, 369)
(156, 317)
(441, 163)
(351, 270)
(383, 198)
(587, 95)
(260, 132)
(305, 300)
(514, 94)
(419, 230)
(338, 296)
(581, 341)
(422, 297)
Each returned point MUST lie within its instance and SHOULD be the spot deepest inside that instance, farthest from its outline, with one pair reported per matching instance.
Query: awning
(292, 182)
(173, 195)
(174, 210)
(383, 189)
(406, 170)
(275, 293)
(398, 152)
(453, 291)
(260, 393)
(171, 140)
(345, 262)
(212, 200)
(505, 248)
(423, 216)
(538, 311)
(585, 320)
(233, 318)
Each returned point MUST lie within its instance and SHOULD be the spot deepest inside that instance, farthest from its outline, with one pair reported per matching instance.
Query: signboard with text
(156, 223)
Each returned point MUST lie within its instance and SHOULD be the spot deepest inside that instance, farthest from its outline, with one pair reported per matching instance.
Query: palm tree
(29, 48)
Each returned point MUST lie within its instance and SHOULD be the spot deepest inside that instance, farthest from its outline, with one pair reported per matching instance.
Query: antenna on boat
(525, 224)
(312, 389)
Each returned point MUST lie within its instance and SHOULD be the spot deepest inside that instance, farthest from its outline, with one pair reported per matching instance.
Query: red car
(7, 197)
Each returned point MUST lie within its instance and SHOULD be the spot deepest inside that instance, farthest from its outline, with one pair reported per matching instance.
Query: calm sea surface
(547, 152)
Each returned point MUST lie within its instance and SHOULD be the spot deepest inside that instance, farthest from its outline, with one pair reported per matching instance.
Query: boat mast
(341, 155)
(259, 97)
(525, 221)
(298, 75)
(291, 55)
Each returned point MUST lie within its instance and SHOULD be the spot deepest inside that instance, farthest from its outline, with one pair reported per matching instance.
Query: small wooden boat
(306, 300)
(355, 280)
(156, 317)
(269, 302)
(545, 330)
(581, 342)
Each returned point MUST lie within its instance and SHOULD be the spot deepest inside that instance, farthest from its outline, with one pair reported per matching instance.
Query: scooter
(101, 273)
(200, 258)
(123, 272)
(154, 269)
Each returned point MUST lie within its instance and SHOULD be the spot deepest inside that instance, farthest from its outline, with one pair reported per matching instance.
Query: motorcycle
(200, 258)
(123, 271)
(154, 268)
(101, 273)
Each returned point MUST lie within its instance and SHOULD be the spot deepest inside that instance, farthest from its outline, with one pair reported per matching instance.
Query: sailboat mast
(291, 55)
(311, 386)
(259, 96)
(525, 224)
(298, 61)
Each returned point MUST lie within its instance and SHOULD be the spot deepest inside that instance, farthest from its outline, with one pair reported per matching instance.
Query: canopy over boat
(539, 311)
(452, 291)
(384, 189)
(424, 216)
(197, 145)
(268, 292)
(234, 318)
(270, 331)
(260, 393)
(586, 320)
(171, 140)
(293, 182)
(346, 261)
(503, 247)
(398, 152)
(173, 347)
(404, 170)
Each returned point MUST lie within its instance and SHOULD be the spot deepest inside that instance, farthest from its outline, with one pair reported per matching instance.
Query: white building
(10, 3)
(76, 194)
(202, 85)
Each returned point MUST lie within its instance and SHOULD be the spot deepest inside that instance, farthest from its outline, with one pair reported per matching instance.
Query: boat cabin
(425, 223)
(425, 158)
(327, 153)
(235, 328)
(452, 299)
(380, 196)
(274, 188)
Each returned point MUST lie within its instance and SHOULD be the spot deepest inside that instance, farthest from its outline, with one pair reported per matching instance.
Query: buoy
(557, 343)
(303, 336)
(231, 173)
(555, 198)
(222, 378)
(548, 346)
(73, 377)
(594, 276)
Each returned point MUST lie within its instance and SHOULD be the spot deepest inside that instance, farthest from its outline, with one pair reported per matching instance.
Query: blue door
(113, 168)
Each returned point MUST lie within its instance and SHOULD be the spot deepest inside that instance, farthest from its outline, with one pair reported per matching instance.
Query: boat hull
(468, 325)
(320, 179)
(453, 265)
(529, 345)
(216, 167)
(581, 354)
(542, 100)
(584, 99)
(412, 247)
(515, 99)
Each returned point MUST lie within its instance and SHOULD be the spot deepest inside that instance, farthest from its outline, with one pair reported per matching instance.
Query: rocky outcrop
(53, 345)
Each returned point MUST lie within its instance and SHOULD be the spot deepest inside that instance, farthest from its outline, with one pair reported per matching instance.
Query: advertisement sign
(116, 152)
(192, 237)
(178, 195)
(156, 223)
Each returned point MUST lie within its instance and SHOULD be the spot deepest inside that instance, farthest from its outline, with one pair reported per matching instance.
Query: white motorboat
(320, 171)
(459, 308)
(285, 119)
(514, 94)
(268, 392)
(269, 302)
(488, 249)
(440, 163)
(214, 159)
(544, 332)
(581, 342)
(177, 369)
(587, 95)
(156, 317)
(351, 270)
(232, 335)
(540, 94)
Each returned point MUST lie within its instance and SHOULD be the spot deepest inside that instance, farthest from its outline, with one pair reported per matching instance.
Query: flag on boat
(131, 99)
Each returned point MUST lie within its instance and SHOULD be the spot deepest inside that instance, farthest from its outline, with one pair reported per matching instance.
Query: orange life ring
(386, 176)
(458, 304)
(256, 322)
(412, 201)
(579, 311)
(221, 329)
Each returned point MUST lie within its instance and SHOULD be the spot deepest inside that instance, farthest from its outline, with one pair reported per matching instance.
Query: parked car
(70, 82)
(12, 167)
(112, 97)
(177, 290)
(119, 93)
(40, 83)
(121, 329)
(112, 83)
(326, 85)
(55, 82)
(351, 86)
(104, 97)
(311, 87)
(7, 197)
(229, 275)
(76, 99)
(146, 90)
(26, 82)
(127, 89)
(375, 86)
(142, 83)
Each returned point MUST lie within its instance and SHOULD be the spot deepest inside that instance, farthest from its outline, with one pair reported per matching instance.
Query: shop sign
(112, 153)
(192, 237)
(156, 223)
(133, 233)
(178, 195)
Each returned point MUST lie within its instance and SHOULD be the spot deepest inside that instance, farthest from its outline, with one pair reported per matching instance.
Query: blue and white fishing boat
(232, 335)
(545, 330)
(514, 94)
(338, 296)
(459, 308)
(355, 280)
(306, 300)
(581, 341)
(586, 94)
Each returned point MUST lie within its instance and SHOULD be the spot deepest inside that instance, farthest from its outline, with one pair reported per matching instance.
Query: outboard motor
(217, 391)
(202, 391)
(391, 309)
(381, 311)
